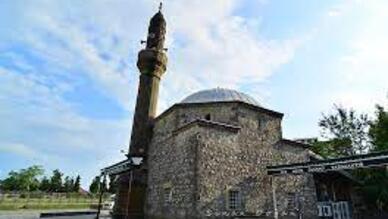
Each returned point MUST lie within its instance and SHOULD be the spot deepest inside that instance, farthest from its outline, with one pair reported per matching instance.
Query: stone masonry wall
(171, 176)
(239, 163)
(201, 164)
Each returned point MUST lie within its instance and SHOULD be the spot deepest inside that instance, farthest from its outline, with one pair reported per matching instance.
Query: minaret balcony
(152, 62)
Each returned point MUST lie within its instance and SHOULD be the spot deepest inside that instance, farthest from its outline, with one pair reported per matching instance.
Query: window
(207, 117)
(261, 123)
(291, 202)
(234, 200)
(167, 196)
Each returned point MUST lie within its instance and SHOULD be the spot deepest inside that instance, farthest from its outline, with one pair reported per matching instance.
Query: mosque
(206, 156)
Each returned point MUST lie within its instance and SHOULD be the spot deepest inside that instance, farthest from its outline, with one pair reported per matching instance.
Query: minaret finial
(156, 31)
(160, 6)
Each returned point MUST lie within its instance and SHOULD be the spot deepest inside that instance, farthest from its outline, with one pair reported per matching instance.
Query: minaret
(152, 63)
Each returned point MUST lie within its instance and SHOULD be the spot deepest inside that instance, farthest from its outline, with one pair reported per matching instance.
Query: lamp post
(103, 177)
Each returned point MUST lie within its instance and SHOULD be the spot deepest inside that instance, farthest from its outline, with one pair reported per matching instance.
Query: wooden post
(275, 205)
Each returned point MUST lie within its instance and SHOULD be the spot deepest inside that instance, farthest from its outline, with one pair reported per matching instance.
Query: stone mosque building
(206, 156)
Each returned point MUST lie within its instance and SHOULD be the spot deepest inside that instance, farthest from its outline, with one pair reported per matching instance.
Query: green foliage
(43, 200)
(379, 130)
(45, 184)
(68, 185)
(349, 133)
(94, 186)
(56, 181)
(331, 148)
(374, 188)
(97, 185)
(23, 180)
(345, 126)
(30, 179)
(77, 184)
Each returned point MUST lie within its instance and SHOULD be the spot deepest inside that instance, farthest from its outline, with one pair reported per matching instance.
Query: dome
(219, 95)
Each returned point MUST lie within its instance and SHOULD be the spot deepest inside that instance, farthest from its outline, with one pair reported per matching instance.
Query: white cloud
(211, 46)
(208, 46)
(51, 132)
(363, 69)
(18, 149)
(334, 13)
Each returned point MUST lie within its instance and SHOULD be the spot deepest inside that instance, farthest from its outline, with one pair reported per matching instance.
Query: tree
(376, 180)
(11, 183)
(77, 184)
(375, 187)
(331, 148)
(44, 184)
(56, 181)
(94, 186)
(379, 130)
(23, 180)
(68, 185)
(346, 126)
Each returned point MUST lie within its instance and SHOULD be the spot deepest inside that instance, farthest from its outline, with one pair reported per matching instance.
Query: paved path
(36, 215)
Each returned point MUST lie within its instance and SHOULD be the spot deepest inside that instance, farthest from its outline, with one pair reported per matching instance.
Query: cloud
(363, 67)
(18, 149)
(333, 13)
(54, 49)
(49, 130)
(211, 46)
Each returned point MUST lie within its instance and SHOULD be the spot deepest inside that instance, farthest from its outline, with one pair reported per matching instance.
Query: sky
(68, 76)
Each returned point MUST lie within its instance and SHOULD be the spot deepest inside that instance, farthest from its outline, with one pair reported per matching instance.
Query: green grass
(46, 203)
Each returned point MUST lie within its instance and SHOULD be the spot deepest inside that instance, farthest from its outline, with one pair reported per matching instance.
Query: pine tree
(379, 130)
(68, 184)
(77, 184)
(56, 181)
(94, 186)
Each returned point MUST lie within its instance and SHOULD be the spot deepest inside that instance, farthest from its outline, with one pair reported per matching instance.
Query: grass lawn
(50, 203)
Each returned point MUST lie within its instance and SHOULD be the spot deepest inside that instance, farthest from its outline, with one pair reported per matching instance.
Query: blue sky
(68, 78)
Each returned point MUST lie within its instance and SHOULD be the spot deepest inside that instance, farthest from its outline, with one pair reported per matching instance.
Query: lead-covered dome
(219, 95)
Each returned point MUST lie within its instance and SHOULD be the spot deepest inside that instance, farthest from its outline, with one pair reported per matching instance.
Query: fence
(42, 200)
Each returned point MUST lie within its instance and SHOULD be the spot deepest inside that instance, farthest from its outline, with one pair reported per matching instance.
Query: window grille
(291, 202)
(167, 196)
(234, 200)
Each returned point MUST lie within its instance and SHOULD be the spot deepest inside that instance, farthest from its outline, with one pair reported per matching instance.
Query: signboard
(118, 168)
(324, 209)
(345, 163)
